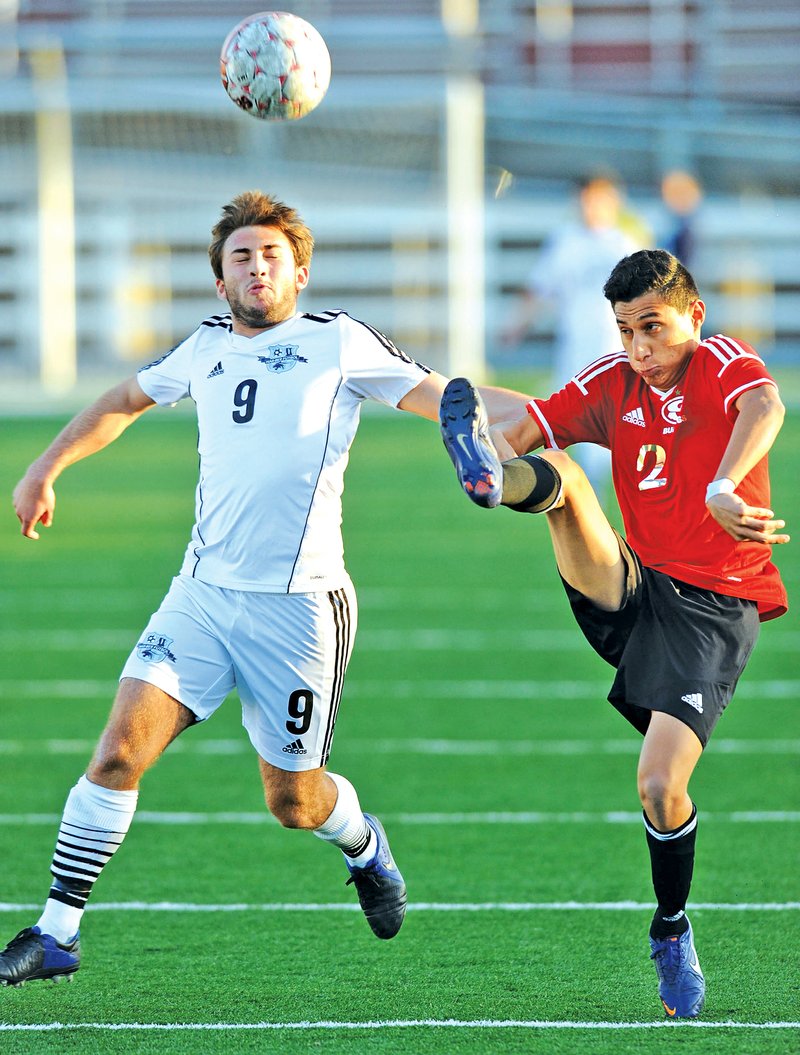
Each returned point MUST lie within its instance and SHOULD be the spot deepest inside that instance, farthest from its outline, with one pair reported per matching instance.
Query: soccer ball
(275, 66)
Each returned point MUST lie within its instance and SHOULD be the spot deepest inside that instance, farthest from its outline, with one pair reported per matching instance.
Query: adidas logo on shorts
(295, 748)
(694, 699)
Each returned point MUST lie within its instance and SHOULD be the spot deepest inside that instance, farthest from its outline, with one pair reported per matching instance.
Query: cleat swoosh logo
(462, 440)
(670, 1010)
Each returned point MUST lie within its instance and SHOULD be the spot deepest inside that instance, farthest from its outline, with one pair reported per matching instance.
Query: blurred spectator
(570, 273)
(681, 194)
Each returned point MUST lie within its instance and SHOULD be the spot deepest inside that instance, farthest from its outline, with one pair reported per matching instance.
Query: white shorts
(286, 654)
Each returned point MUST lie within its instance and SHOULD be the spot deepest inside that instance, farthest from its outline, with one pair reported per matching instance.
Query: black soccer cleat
(33, 955)
(465, 432)
(380, 887)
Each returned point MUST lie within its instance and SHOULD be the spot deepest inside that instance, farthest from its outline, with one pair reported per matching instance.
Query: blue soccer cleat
(681, 985)
(380, 887)
(465, 432)
(33, 955)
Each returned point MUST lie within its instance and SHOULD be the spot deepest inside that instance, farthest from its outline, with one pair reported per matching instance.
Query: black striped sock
(81, 854)
(94, 823)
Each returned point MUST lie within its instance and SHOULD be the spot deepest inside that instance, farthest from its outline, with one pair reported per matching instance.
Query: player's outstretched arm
(501, 403)
(90, 431)
(761, 414)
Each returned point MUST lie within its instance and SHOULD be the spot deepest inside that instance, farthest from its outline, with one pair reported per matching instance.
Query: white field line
(501, 748)
(417, 639)
(533, 691)
(379, 1024)
(186, 818)
(67, 598)
(418, 906)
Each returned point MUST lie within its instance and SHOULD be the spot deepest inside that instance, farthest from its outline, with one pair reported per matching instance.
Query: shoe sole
(465, 436)
(66, 976)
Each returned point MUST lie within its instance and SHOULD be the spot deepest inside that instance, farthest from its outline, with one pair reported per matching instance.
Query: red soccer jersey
(666, 447)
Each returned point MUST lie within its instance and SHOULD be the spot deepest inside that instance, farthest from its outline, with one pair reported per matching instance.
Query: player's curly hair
(256, 209)
(652, 271)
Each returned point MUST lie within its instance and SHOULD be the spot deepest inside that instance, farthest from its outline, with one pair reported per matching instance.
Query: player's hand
(743, 522)
(34, 503)
(505, 451)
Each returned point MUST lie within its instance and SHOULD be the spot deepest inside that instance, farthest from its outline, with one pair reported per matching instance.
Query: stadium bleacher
(155, 147)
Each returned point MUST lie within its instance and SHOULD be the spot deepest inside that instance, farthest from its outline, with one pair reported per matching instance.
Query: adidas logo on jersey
(216, 371)
(295, 748)
(694, 699)
(634, 417)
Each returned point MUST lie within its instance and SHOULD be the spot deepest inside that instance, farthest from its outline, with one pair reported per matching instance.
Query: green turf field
(473, 723)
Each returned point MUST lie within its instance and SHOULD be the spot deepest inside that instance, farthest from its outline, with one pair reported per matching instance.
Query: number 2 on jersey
(245, 399)
(654, 477)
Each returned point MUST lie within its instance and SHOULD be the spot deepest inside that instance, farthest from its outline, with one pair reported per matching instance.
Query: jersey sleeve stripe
(218, 320)
(331, 316)
(599, 366)
(728, 351)
(756, 383)
(389, 345)
(544, 425)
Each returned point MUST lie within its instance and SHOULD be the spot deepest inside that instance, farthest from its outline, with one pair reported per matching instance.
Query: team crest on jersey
(282, 357)
(153, 648)
(672, 410)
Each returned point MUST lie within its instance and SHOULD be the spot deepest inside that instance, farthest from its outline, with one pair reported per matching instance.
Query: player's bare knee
(662, 797)
(574, 481)
(572, 475)
(292, 811)
(115, 766)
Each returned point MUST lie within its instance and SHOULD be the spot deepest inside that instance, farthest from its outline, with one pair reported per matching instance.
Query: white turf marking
(630, 746)
(416, 906)
(493, 817)
(419, 639)
(531, 690)
(412, 1023)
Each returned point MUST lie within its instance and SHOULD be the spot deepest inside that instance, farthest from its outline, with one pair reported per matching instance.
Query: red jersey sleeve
(582, 410)
(738, 368)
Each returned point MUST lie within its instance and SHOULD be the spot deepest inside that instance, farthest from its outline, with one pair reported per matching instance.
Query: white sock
(95, 821)
(346, 826)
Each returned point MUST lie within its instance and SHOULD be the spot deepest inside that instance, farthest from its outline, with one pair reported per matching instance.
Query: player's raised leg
(523, 484)
(586, 547)
(97, 816)
(328, 805)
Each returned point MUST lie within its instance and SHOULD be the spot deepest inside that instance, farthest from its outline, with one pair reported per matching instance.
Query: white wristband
(723, 486)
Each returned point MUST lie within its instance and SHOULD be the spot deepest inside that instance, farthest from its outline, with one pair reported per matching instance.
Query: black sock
(672, 863)
(530, 484)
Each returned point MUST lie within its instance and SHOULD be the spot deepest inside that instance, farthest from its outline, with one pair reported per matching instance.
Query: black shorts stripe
(340, 607)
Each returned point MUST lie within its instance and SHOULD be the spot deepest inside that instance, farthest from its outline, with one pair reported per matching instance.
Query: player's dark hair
(255, 209)
(651, 271)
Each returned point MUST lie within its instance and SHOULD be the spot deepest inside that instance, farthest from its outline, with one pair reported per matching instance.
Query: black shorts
(677, 648)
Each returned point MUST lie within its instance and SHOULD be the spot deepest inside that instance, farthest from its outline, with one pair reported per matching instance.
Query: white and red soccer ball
(275, 66)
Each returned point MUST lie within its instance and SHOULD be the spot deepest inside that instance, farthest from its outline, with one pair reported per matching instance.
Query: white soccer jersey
(277, 414)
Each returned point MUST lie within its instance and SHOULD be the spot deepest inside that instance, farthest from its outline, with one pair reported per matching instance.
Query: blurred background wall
(446, 152)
